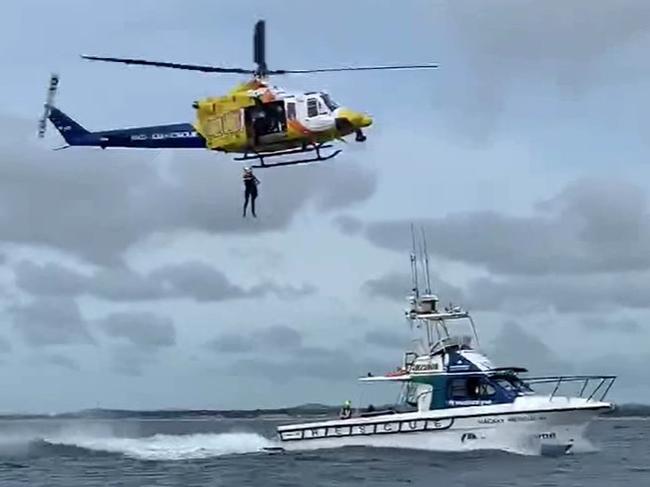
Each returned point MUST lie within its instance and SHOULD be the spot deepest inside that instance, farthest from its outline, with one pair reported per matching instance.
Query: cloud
(50, 321)
(623, 325)
(534, 49)
(396, 286)
(515, 347)
(630, 371)
(331, 365)
(98, 204)
(191, 280)
(553, 40)
(5, 345)
(348, 225)
(279, 337)
(58, 361)
(204, 283)
(231, 343)
(572, 293)
(278, 354)
(591, 226)
(259, 255)
(119, 284)
(276, 338)
(583, 249)
(141, 329)
(130, 361)
(319, 363)
(48, 279)
(386, 339)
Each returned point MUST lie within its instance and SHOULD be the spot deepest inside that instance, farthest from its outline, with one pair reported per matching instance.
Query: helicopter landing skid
(261, 156)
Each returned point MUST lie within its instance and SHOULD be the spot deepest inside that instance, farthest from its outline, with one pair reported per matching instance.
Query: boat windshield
(513, 383)
(331, 104)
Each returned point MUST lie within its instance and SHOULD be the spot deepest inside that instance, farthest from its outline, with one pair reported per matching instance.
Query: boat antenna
(478, 345)
(421, 262)
(426, 260)
(414, 265)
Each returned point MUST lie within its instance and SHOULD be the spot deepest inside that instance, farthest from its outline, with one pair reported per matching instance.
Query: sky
(128, 279)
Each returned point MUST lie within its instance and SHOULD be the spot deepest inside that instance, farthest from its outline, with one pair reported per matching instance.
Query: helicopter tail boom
(174, 136)
(70, 130)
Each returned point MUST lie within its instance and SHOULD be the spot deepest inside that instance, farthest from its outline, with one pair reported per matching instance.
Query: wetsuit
(250, 191)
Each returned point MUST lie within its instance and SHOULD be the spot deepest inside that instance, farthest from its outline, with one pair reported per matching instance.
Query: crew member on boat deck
(346, 410)
(250, 189)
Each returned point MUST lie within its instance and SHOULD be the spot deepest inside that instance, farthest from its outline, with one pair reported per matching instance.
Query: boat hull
(545, 431)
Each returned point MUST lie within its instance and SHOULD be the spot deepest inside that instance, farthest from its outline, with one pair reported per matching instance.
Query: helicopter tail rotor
(49, 103)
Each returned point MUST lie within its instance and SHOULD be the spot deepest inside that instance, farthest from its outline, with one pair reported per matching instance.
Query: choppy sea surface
(225, 452)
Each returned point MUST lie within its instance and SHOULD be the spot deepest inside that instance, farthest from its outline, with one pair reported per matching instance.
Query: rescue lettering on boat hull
(383, 428)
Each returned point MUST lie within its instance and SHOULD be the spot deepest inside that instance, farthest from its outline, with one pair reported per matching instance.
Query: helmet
(247, 169)
(347, 403)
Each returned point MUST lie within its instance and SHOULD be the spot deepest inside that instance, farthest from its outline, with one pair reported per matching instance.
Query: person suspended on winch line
(250, 190)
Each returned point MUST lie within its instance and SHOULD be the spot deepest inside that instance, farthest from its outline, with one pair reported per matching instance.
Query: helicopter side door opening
(265, 120)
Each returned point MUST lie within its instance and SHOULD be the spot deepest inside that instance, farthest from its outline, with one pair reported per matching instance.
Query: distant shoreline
(309, 410)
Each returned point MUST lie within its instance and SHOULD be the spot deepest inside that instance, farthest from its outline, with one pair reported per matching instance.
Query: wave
(166, 447)
(294, 411)
(305, 410)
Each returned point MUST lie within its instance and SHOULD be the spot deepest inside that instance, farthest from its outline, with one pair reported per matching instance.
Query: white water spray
(170, 447)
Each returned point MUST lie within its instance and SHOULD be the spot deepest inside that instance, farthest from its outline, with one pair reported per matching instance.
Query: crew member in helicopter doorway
(250, 190)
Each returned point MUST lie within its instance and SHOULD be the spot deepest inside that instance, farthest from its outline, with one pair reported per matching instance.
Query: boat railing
(592, 387)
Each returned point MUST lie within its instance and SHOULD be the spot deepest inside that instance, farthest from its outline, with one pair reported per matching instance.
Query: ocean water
(199, 452)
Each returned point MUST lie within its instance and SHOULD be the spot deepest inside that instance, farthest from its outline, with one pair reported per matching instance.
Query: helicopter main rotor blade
(357, 68)
(187, 67)
(259, 47)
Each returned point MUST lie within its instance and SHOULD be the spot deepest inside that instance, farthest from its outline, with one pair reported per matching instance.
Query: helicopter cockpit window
(312, 107)
(331, 104)
(322, 109)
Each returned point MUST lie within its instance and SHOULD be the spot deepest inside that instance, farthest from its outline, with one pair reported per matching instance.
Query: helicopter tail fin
(68, 128)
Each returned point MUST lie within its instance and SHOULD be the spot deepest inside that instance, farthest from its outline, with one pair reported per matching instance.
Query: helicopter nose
(355, 120)
(359, 120)
(365, 121)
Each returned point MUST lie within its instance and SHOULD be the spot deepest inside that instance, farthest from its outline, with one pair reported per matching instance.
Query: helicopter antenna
(426, 260)
(49, 103)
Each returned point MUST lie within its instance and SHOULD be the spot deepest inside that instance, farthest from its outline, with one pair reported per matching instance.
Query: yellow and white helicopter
(256, 120)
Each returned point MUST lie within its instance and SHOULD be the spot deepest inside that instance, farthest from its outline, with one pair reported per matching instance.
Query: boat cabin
(453, 375)
(456, 388)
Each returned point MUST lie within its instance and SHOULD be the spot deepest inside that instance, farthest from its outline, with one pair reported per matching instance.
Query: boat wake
(165, 447)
